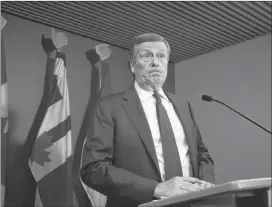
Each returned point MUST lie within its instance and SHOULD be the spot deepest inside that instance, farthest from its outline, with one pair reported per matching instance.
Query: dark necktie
(171, 157)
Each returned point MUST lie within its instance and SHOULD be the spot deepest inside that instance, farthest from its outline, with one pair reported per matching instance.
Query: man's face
(150, 64)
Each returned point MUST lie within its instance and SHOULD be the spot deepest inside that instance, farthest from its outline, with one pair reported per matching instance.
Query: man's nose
(155, 61)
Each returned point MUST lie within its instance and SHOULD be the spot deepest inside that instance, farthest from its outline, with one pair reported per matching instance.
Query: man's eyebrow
(145, 49)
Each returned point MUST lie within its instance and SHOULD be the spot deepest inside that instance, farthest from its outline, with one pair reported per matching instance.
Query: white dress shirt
(149, 105)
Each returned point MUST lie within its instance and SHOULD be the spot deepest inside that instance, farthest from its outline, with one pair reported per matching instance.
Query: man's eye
(146, 55)
(161, 55)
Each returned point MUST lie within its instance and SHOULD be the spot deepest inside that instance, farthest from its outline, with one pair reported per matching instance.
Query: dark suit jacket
(119, 158)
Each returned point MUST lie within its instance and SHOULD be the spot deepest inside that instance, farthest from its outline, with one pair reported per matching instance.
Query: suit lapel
(188, 127)
(133, 107)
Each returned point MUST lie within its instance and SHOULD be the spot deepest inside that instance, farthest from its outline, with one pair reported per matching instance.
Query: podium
(240, 193)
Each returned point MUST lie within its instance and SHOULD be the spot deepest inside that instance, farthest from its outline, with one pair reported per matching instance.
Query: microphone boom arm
(243, 116)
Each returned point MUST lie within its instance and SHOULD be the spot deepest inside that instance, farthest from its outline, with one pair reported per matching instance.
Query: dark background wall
(240, 76)
(26, 62)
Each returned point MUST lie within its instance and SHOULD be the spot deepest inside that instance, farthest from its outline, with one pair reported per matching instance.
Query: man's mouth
(154, 72)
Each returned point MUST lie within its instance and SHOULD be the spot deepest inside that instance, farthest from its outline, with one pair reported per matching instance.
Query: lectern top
(233, 186)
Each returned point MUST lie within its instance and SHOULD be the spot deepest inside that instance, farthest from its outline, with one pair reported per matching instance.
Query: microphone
(209, 99)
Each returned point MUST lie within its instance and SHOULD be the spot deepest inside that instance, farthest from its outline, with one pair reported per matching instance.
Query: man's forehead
(152, 45)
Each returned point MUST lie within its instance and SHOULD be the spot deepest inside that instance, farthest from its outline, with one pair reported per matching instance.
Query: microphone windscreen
(207, 98)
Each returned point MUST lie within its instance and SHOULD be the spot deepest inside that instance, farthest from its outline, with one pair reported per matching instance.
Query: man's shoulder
(112, 97)
(115, 98)
(178, 101)
(176, 98)
(172, 95)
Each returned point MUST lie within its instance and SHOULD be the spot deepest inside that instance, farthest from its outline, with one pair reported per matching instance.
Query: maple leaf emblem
(39, 155)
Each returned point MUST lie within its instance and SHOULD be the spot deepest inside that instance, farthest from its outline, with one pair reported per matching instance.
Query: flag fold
(50, 161)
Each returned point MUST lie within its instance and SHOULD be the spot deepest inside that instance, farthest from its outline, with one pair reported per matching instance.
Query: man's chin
(157, 79)
(156, 82)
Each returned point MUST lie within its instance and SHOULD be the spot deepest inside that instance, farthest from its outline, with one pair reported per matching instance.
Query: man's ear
(132, 66)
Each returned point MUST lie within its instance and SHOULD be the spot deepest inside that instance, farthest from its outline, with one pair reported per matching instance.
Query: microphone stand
(243, 116)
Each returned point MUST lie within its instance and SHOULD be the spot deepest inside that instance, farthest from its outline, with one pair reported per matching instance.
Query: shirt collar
(146, 95)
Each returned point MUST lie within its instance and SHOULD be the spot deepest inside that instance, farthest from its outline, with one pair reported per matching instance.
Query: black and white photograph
(136, 103)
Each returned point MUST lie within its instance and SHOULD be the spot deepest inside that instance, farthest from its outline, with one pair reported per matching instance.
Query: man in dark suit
(143, 145)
